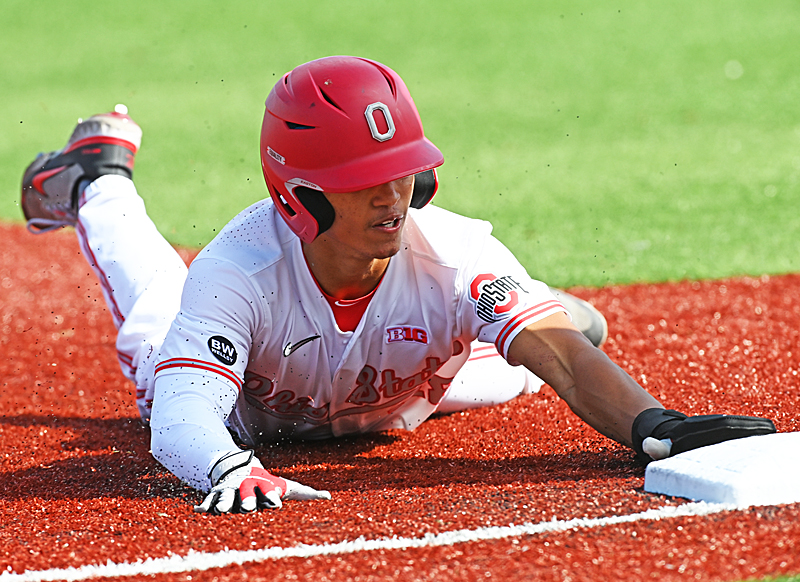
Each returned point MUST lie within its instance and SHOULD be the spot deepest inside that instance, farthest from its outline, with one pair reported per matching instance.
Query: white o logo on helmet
(373, 126)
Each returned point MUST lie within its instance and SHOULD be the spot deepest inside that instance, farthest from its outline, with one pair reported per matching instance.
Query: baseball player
(343, 303)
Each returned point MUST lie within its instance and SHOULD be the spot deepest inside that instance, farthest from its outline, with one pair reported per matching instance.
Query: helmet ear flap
(425, 185)
(317, 205)
(321, 210)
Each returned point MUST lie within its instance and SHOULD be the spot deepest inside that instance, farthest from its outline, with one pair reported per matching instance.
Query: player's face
(369, 223)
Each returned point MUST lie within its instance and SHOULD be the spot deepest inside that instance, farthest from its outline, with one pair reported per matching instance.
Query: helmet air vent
(291, 125)
(331, 101)
(390, 83)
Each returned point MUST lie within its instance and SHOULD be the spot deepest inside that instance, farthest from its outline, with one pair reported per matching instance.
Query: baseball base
(759, 470)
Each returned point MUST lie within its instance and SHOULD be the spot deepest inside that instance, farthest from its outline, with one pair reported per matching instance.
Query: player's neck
(342, 276)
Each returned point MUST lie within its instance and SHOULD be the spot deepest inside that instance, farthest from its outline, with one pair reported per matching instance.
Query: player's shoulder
(253, 240)
(445, 236)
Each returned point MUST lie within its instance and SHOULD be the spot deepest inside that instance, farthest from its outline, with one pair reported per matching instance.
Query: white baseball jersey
(256, 346)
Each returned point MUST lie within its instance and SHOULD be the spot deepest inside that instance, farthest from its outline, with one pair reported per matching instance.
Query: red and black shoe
(103, 144)
(585, 317)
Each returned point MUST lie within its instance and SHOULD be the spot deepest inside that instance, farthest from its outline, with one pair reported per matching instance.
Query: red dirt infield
(79, 486)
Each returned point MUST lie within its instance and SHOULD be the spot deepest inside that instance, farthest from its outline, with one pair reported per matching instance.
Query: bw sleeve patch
(222, 349)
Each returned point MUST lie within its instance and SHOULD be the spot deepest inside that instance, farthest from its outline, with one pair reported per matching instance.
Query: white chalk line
(205, 561)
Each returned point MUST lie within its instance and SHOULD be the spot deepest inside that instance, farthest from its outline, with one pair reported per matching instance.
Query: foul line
(202, 561)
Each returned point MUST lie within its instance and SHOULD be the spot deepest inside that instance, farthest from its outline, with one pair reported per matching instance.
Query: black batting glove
(658, 433)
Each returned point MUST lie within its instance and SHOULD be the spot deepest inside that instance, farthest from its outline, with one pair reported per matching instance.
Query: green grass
(607, 142)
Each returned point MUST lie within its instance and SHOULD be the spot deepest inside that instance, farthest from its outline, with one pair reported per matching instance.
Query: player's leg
(584, 316)
(140, 273)
(88, 185)
(486, 379)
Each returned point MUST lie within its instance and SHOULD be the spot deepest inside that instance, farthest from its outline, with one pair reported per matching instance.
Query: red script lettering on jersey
(391, 385)
(366, 397)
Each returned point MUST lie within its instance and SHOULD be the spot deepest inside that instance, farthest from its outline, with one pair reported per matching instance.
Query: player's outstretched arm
(241, 485)
(611, 402)
(189, 437)
(595, 388)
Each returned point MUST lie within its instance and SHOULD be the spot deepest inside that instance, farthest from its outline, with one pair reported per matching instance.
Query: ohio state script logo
(373, 390)
(494, 297)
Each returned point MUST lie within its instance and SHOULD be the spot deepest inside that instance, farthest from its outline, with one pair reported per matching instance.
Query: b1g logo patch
(222, 349)
(406, 334)
(494, 297)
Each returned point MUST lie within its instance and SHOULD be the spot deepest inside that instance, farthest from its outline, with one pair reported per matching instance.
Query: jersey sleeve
(498, 298)
(211, 335)
(201, 369)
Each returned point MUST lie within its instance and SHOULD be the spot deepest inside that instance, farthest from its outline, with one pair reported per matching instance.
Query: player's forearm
(595, 388)
(188, 432)
(604, 396)
(189, 450)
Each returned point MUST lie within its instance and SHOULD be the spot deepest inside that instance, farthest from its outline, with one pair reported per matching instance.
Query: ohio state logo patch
(406, 334)
(494, 297)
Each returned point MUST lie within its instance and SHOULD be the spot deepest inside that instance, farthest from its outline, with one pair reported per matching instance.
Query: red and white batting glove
(241, 485)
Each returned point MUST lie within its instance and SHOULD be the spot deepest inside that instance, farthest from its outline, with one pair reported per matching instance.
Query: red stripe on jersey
(538, 308)
(200, 365)
(483, 352)
(125, 359)
(116, 312)
(523, 318)
(483, 348)
(494, 354)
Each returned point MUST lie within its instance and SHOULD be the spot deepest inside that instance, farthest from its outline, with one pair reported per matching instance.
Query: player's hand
(241, 485)
(659, 433)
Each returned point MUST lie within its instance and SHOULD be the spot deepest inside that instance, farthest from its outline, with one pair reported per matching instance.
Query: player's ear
(425, 185)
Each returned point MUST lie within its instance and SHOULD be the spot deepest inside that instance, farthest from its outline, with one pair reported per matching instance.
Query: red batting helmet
(341, 124)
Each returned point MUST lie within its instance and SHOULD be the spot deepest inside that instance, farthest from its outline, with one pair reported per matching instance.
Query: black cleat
(103, 144)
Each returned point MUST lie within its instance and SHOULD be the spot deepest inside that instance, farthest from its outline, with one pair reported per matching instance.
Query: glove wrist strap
(229, 463)
(647, 423)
